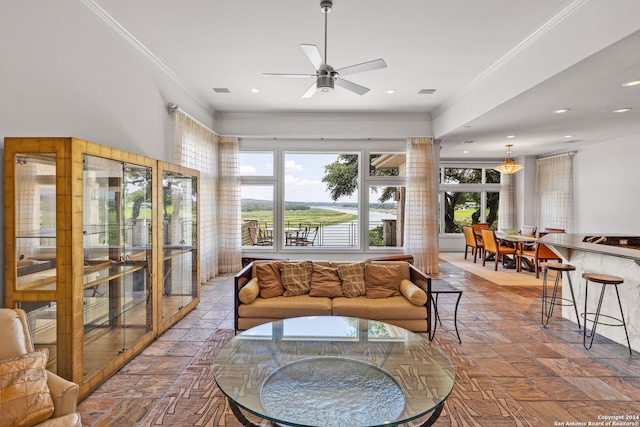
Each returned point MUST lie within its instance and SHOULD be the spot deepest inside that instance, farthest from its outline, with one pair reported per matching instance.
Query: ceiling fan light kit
(509, 166)
(326, 76)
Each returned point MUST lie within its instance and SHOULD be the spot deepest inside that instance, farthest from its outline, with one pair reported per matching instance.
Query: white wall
(607, 188)
(64, 74)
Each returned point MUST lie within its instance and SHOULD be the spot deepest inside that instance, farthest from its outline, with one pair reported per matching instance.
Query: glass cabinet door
(180, 238)
(35, 224)
(117, 219)
(36, 221)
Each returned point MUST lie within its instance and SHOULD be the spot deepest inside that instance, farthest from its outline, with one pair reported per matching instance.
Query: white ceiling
(461, 48)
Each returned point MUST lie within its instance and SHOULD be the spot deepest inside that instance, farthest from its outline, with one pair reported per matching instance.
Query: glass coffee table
(333, 371)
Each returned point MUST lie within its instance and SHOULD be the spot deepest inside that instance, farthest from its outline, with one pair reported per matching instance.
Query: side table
(436, 315)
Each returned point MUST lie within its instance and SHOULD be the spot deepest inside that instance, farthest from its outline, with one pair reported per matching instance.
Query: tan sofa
(24, 376)
(410, 309)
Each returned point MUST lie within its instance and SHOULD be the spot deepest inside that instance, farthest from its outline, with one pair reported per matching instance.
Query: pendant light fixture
(509, 166)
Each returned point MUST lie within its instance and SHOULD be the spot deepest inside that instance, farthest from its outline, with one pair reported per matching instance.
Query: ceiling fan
(326, 76)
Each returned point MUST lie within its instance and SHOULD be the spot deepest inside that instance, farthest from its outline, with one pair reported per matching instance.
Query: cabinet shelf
(90, 253)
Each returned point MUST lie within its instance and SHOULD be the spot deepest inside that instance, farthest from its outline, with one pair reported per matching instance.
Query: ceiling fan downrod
(325, 6)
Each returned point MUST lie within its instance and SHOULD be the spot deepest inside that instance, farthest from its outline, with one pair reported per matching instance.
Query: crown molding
(519, 49)
(112, 25)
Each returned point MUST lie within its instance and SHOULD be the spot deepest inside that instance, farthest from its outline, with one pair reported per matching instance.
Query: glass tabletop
(333, 371)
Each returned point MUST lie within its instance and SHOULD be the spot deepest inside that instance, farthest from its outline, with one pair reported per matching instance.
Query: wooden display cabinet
(84, 254)
(179, 268)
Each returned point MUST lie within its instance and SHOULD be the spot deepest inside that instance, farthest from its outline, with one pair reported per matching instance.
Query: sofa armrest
(423, 281)
(240, 279)
(64, 394)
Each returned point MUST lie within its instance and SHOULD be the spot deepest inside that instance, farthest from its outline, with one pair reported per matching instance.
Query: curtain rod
(174, 108)
(569, 153)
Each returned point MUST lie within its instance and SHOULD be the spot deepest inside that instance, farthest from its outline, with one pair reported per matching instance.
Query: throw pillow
(325, 282)
(296, 277)
(249, 291)
(352, 276)
(269, 282)
(26, 399)
(382, 281)
(413, 293)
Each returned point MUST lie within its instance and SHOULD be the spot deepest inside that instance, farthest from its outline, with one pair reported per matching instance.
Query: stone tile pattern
(509, 370)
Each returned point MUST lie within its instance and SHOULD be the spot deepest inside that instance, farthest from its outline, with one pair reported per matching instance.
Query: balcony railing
(344, 235)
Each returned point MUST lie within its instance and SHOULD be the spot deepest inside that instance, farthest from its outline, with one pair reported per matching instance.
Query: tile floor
(509, 370)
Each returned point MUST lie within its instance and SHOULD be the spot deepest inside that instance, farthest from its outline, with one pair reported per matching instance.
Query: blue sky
(303, 175)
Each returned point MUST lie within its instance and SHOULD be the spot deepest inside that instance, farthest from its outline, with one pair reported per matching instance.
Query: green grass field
(313, 215)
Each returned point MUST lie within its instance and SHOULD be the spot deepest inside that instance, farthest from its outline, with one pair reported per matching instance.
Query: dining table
(518, 241)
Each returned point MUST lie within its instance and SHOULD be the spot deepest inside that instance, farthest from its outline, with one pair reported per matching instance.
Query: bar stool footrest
(586, 318)
(559, 301)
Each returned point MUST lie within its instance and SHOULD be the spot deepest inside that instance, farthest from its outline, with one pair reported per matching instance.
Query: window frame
(363, 148)
(483, 188)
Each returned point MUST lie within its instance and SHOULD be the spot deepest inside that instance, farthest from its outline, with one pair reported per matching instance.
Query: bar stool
(604, 280)
(549, 302)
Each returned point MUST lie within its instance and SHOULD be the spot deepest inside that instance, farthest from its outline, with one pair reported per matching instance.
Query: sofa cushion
(352, 276)
(286, 307)
(249, 291)
(392, 308)
(25, 396)
(414, 294)
(405, 267)
(381, 281)
(296, 277)
(269, 281)
(14, 335)
(325, 282)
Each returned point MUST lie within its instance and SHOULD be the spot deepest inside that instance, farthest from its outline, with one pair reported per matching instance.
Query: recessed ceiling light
(254, 90)
(465, 152)
(622, 110)
(568, 136)
(561, 110)
(391, 91)
(631, 83)
(511, 136)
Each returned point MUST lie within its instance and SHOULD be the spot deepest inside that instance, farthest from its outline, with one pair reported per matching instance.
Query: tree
(341, 177)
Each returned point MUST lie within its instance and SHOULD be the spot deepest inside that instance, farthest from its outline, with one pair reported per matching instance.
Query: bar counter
(614, 255)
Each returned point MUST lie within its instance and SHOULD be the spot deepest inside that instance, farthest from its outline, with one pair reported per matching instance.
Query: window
(316, 196)
(321, 201)
(256, 209)
(386, 216)
(468, 194)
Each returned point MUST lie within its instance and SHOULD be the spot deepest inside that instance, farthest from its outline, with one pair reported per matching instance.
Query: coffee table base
(248, 423)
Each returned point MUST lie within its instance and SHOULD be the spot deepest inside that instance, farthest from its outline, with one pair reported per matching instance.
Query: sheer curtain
(507, 206)
(421, 227)
(554, 192)
(229, 222)
(197, 147)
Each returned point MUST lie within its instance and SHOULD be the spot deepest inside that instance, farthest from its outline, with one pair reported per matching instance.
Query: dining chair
(528, 230)
(479, 226)
(472, 241)
(493, 245)
(554, 230)
(540, 253)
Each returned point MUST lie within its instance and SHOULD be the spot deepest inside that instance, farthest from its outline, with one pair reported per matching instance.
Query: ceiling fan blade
(287, 75)
(359, 68)
(309, 93)
(360, 90)
(314, 56)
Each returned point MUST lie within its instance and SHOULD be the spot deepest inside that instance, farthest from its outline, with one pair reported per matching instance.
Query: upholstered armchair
(31, 395)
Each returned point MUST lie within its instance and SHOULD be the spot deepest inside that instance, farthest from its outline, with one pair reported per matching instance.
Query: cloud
(292, 166)
(247, 170)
